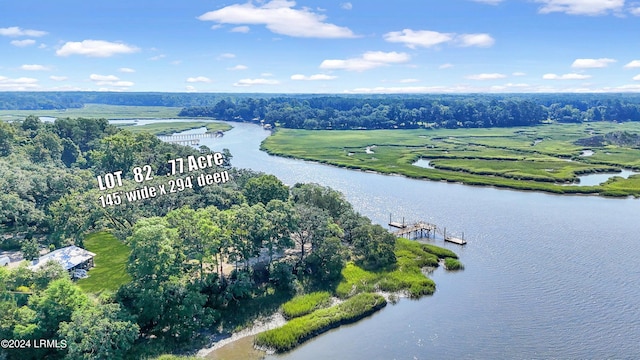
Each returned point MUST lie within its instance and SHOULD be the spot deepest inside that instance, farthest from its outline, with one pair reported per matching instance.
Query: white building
(70, 257)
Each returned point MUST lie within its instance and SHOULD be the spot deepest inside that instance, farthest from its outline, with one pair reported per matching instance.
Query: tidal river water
(546, 276)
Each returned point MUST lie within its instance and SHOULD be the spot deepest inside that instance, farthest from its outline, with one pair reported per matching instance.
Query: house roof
(69, 257)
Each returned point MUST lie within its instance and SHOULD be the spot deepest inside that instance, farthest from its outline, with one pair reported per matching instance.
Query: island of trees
(426, 111)
(173, 269)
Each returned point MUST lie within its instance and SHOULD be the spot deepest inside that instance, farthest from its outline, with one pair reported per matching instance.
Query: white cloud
(413, 39)
(238, 67)
(126, 70)
(15, 31)
(109, 80)
(19, 84)
(34, 67)
(428, 38)
(637, 77)
(480, 40)
(572, 76)
(635, 11)
(198, 79)
(592, 63)
(407, 81)
(226, 56)
(445, 66)
(58, 78)
(633, 64)
(96, 77)
(157, 57)
(518, 73)
(241, 29)
(313, 77)
(368, 60)
(492, 76)
(581, 7)
(490, 2)
(280, 17)
(347, 6)
(190, 88)
(95, 48)
(251, 82)
(266, 74)
(23, 43)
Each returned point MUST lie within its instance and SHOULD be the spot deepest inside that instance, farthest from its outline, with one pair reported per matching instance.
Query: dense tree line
(196, 258)
(26, 100)
(409, 112)
(358, 111)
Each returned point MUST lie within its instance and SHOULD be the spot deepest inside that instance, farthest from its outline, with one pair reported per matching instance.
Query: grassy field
(110, 263)
(98, 111)
(170, 127)
(542, 158)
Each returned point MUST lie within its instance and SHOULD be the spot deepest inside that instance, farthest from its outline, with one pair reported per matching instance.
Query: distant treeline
(26, 100)
(468, 111)
(311, 111)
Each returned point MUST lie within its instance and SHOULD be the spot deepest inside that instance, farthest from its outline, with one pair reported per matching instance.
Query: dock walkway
(422, 229)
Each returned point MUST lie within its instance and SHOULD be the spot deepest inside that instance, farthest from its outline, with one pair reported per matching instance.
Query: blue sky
(305, 46)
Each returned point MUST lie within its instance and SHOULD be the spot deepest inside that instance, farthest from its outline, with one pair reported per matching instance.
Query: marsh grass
(99, 111)
(453, 264)
(305, 327)
(170, 127)
(304, 304)
(407, 275)
(541, 158)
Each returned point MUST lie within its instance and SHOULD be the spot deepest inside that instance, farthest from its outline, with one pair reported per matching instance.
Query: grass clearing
(540, 158)
(110, 262)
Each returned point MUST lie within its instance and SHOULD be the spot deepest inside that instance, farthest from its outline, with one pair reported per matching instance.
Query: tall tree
(265, 188)
(98, 332)
(278, 226)
(156, 252)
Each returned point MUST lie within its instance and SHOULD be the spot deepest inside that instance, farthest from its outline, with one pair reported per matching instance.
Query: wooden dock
(422, 229)
(455, 240)
(419, 230)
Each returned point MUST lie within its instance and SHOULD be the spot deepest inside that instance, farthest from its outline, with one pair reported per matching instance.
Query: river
(546, 276)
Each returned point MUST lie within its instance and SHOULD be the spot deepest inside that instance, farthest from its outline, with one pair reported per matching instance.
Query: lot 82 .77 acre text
(174, 185)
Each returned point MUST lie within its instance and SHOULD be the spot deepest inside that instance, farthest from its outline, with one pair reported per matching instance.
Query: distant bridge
(188, 139)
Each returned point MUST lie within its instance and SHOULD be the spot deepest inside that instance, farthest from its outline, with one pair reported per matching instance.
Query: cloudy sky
(313, 46)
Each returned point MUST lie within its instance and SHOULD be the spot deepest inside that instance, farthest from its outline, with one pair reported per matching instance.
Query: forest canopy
(196, 260)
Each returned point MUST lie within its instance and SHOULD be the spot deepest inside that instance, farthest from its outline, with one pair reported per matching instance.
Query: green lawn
(110, 263)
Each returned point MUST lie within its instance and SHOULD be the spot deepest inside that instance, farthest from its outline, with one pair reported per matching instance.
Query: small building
(70, 257)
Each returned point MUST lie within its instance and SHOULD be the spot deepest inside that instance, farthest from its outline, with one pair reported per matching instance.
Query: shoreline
(273, 321)
(262, 324)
